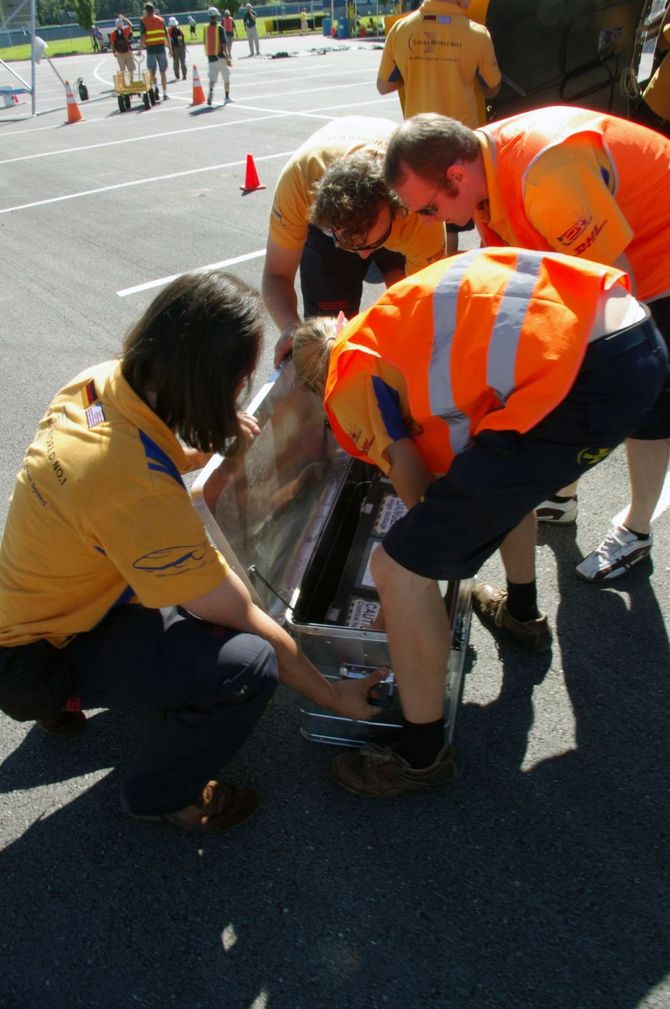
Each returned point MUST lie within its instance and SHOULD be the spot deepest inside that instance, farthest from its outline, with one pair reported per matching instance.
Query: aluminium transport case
(297, 519)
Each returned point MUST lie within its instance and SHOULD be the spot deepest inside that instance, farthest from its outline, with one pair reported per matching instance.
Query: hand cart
(137, 83)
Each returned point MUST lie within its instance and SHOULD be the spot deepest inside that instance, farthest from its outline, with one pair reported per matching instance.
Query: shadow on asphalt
(543, 888)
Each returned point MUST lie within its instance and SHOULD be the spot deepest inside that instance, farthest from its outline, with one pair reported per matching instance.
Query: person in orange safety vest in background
(154, 37)
(475, 384)
(216, 50)
(120, 41)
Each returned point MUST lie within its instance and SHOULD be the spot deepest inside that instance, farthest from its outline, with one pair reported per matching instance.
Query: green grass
(61, 47)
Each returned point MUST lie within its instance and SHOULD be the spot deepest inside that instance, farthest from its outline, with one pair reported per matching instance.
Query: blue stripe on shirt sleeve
(388, 401)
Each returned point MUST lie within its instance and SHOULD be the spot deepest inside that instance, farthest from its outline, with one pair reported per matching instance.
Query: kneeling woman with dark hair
(110, 593)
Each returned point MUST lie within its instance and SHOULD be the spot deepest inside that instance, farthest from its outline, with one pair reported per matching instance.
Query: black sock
(640, 536)
(522, 601)
(560, 498)
(420, 743)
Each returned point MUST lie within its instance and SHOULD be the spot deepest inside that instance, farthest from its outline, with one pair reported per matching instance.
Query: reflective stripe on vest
(490, 339)
(212, 40)
(154, 30)
(503, 343)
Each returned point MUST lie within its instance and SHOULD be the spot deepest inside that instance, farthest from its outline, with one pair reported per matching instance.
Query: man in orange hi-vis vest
(154, 37)
(216, 50)
(581, 182)
(475, 385)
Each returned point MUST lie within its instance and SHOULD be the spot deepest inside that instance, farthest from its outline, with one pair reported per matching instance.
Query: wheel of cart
(137, 83)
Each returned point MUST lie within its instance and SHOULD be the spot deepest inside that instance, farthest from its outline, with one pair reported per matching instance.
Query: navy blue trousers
(205, 686)
(503, 475)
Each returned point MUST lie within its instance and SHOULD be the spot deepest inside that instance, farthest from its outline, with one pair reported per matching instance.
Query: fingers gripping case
(297, 519)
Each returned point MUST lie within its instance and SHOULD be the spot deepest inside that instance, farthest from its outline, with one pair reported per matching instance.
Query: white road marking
(145, 136)
(162, 281)
(241, 105)
(142, 182)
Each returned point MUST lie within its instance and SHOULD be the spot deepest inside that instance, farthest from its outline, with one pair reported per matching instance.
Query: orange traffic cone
(198, 93)
(73, 113)
(251, 181)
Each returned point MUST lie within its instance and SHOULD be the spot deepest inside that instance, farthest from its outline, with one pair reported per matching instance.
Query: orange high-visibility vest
(640, 184)
(490, 339)
(154, 30)
(213, 44)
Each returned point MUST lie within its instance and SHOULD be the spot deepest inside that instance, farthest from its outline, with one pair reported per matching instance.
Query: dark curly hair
(191, 353)
(350, 196)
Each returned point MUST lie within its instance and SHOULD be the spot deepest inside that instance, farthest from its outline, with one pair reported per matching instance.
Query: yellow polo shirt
(441, 56)
(99, 517)
(421, 242)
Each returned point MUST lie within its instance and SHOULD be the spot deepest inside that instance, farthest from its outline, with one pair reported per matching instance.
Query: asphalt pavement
(539, 881)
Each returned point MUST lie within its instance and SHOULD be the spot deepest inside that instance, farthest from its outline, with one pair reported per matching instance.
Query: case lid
(265, 507)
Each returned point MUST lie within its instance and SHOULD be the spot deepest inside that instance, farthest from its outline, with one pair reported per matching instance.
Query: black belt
(607, 347)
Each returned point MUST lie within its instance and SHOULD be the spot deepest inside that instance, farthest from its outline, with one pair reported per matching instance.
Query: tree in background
(84, 11)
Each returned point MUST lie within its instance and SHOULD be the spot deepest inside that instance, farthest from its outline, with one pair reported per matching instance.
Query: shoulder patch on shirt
(89, 393)
(95, 415)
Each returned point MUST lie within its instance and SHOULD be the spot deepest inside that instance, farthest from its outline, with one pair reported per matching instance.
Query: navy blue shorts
(657, 424)
(331, 279)
(504, 475)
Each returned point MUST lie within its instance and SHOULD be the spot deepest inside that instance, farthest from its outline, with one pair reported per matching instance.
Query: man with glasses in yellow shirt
(332, 212)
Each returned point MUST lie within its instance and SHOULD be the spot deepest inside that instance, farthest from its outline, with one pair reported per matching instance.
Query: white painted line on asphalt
(142, 182)
(241, 105)
(279, 114)
(162, 281)
(145, 136)
(663, 505)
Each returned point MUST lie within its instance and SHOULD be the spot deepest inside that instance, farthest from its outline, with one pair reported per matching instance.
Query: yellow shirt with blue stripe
(99, 516)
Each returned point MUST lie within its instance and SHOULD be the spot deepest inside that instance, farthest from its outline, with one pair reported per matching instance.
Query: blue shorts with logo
(503, 475)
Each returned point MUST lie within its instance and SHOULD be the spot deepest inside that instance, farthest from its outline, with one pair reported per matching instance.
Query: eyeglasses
(342, 243)
(430, 209)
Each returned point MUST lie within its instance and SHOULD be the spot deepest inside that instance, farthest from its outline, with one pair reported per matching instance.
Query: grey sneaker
(561, 513)
(378, 772)
(490, 605)
(618, 552)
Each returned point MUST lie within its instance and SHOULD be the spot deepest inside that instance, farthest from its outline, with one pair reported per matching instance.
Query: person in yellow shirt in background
(111, 595)
(339, 168)
(444, 62)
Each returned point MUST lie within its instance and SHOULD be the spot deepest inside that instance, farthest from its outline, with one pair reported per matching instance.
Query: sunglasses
(342, 243)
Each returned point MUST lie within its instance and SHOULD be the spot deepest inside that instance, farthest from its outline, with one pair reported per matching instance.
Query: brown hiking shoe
(490, 605)
(221, 807)
(379, 772)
